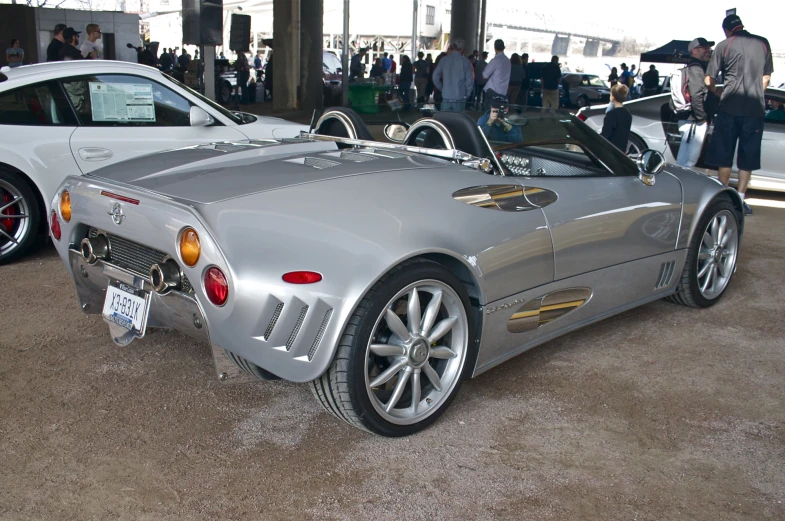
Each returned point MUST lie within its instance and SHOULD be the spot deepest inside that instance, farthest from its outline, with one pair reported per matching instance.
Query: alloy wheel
(416, 352)
(14, 218)
(717, 254)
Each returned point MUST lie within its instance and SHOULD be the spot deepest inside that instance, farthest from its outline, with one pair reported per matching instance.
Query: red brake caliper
(7, 223)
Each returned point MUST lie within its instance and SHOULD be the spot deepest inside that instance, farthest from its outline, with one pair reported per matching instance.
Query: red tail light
(582, 116)
(302, 277)
(55, 226)
(215, 286)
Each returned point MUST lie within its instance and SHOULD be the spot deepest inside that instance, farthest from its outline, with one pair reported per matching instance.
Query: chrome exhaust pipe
(95, 248)
(165, 276)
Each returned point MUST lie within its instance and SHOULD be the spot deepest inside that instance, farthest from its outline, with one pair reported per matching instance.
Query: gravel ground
(661, 413)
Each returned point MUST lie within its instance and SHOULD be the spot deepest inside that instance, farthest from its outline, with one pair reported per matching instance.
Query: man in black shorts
(744, 60)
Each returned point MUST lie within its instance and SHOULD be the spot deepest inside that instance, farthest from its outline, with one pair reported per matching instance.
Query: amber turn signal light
(65, 206)
(190, 247)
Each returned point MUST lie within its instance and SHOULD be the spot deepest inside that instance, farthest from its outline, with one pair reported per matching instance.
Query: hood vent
(357, 157)
(314, 162)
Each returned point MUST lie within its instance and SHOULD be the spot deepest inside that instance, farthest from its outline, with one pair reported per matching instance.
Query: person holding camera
(495, 127)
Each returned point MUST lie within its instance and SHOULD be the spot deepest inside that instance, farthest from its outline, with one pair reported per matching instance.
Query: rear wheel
(711, 260)
(20, 216)
(404, 353)
(583, 101)
(635, 146)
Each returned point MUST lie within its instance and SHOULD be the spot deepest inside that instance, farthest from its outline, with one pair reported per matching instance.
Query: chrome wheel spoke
(396, 326)
(709, 277)
(714, 235)
(387, 350)
(415, 391)
(703, 255)
(442, 353)
(721, 231)
(441, 329)
(724, 268)
(20, 216)
(388, 373)
(413, 310)
(708, 242)
(10, 238)
(431, 312)
(430, 372)
(398, 392)
(706, 267)
(10, 203)
(725, 239)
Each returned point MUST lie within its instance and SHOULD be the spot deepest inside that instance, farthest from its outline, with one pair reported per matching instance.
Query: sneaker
(747, 209)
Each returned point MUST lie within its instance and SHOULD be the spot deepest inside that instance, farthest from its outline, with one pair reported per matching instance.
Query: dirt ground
(662, 413)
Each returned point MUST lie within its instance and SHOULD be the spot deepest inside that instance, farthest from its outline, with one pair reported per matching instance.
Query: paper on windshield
(125, 102)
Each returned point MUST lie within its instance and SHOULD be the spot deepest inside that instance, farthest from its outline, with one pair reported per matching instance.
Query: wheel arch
(42, 228)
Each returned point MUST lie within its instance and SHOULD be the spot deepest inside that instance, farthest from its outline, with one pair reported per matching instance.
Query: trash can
(362, 97)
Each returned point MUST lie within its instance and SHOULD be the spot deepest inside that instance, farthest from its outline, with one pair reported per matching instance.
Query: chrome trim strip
(444, 133)
(454, 155)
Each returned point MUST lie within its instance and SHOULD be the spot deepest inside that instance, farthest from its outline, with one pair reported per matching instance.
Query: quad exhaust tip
(95, 248)
(165, 276)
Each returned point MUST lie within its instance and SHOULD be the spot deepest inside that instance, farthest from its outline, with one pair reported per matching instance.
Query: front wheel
(583, 101)
(404, 354)
(711, 260)
(20, 216)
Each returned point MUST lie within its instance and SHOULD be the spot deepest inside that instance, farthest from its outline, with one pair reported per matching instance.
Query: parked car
(585, 89)
(385, 273)
(655, 126)
(70, 118)
(333, 78)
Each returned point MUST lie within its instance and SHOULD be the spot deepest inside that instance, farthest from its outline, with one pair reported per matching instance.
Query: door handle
(95, 154)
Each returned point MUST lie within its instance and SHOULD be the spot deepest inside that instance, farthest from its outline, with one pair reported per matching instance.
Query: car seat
(465, 133)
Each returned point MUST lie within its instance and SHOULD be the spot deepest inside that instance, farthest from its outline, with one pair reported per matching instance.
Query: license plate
(126, 308)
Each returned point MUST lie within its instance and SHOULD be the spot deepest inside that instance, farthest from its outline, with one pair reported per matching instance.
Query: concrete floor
(661, 413)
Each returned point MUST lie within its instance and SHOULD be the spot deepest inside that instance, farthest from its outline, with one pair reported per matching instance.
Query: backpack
(680, 92)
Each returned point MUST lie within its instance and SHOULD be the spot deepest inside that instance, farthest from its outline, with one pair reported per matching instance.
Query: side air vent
(319, 163)
(390, 154)
(297, 326)
(666, 274)
(357, 157)
(273, 321)
(320, 334)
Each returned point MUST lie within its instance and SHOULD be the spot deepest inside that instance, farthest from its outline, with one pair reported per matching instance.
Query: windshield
(596, 81)
(235, 118)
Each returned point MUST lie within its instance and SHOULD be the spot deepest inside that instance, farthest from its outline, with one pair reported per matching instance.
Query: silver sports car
(386, 272)
(655, 126)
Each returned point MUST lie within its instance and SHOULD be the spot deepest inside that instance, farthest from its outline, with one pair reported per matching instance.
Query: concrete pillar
(311, 71)
(286, 53)
(465, 23)
(561, 45)
(592, 48)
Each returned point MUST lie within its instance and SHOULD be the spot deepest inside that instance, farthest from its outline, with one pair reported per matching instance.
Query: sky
(660, 22)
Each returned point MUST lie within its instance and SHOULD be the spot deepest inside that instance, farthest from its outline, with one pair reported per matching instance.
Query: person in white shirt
(90, 48)
(497, 74)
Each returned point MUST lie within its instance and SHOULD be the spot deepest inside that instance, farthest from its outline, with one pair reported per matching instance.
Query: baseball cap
(699, 42)
(69, 32)
(732, 22)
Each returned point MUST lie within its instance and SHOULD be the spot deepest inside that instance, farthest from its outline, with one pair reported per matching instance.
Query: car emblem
(117, 213)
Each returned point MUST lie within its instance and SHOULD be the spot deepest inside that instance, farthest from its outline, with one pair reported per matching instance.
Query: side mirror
(650, 163)
(200, 118)
(395, 132)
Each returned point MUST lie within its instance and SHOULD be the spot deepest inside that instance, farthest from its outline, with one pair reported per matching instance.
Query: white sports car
(70, 118)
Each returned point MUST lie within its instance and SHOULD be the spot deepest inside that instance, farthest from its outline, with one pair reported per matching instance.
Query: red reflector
(55, 226)
(582, 116)
(215, 286)
(119, 197)
(302, 277)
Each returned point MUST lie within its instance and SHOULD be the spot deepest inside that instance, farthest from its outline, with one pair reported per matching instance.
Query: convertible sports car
(384, 273)
(655, 126)
(69, 118)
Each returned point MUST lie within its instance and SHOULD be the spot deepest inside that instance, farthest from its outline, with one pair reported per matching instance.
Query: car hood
(207, 174)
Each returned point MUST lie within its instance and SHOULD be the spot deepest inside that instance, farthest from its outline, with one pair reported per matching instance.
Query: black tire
(583, 101)
(342, 388)
(635, 141)
(250, 368)
(25, 233)
(688, 291)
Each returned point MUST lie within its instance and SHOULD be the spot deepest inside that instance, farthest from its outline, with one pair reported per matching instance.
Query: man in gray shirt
(744, 60)
(454, 77)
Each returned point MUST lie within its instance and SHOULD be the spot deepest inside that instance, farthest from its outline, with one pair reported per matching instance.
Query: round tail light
(215, 286)
(55, 226)
(65, 206)
(190, 247)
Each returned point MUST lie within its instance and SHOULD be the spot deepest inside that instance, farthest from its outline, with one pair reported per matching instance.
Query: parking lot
(664, 412)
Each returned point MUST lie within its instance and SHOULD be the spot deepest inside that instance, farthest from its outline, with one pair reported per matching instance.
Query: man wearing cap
(497, 74)
(70, 49)
(744, 60)
(702, 104)
(53, 51)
